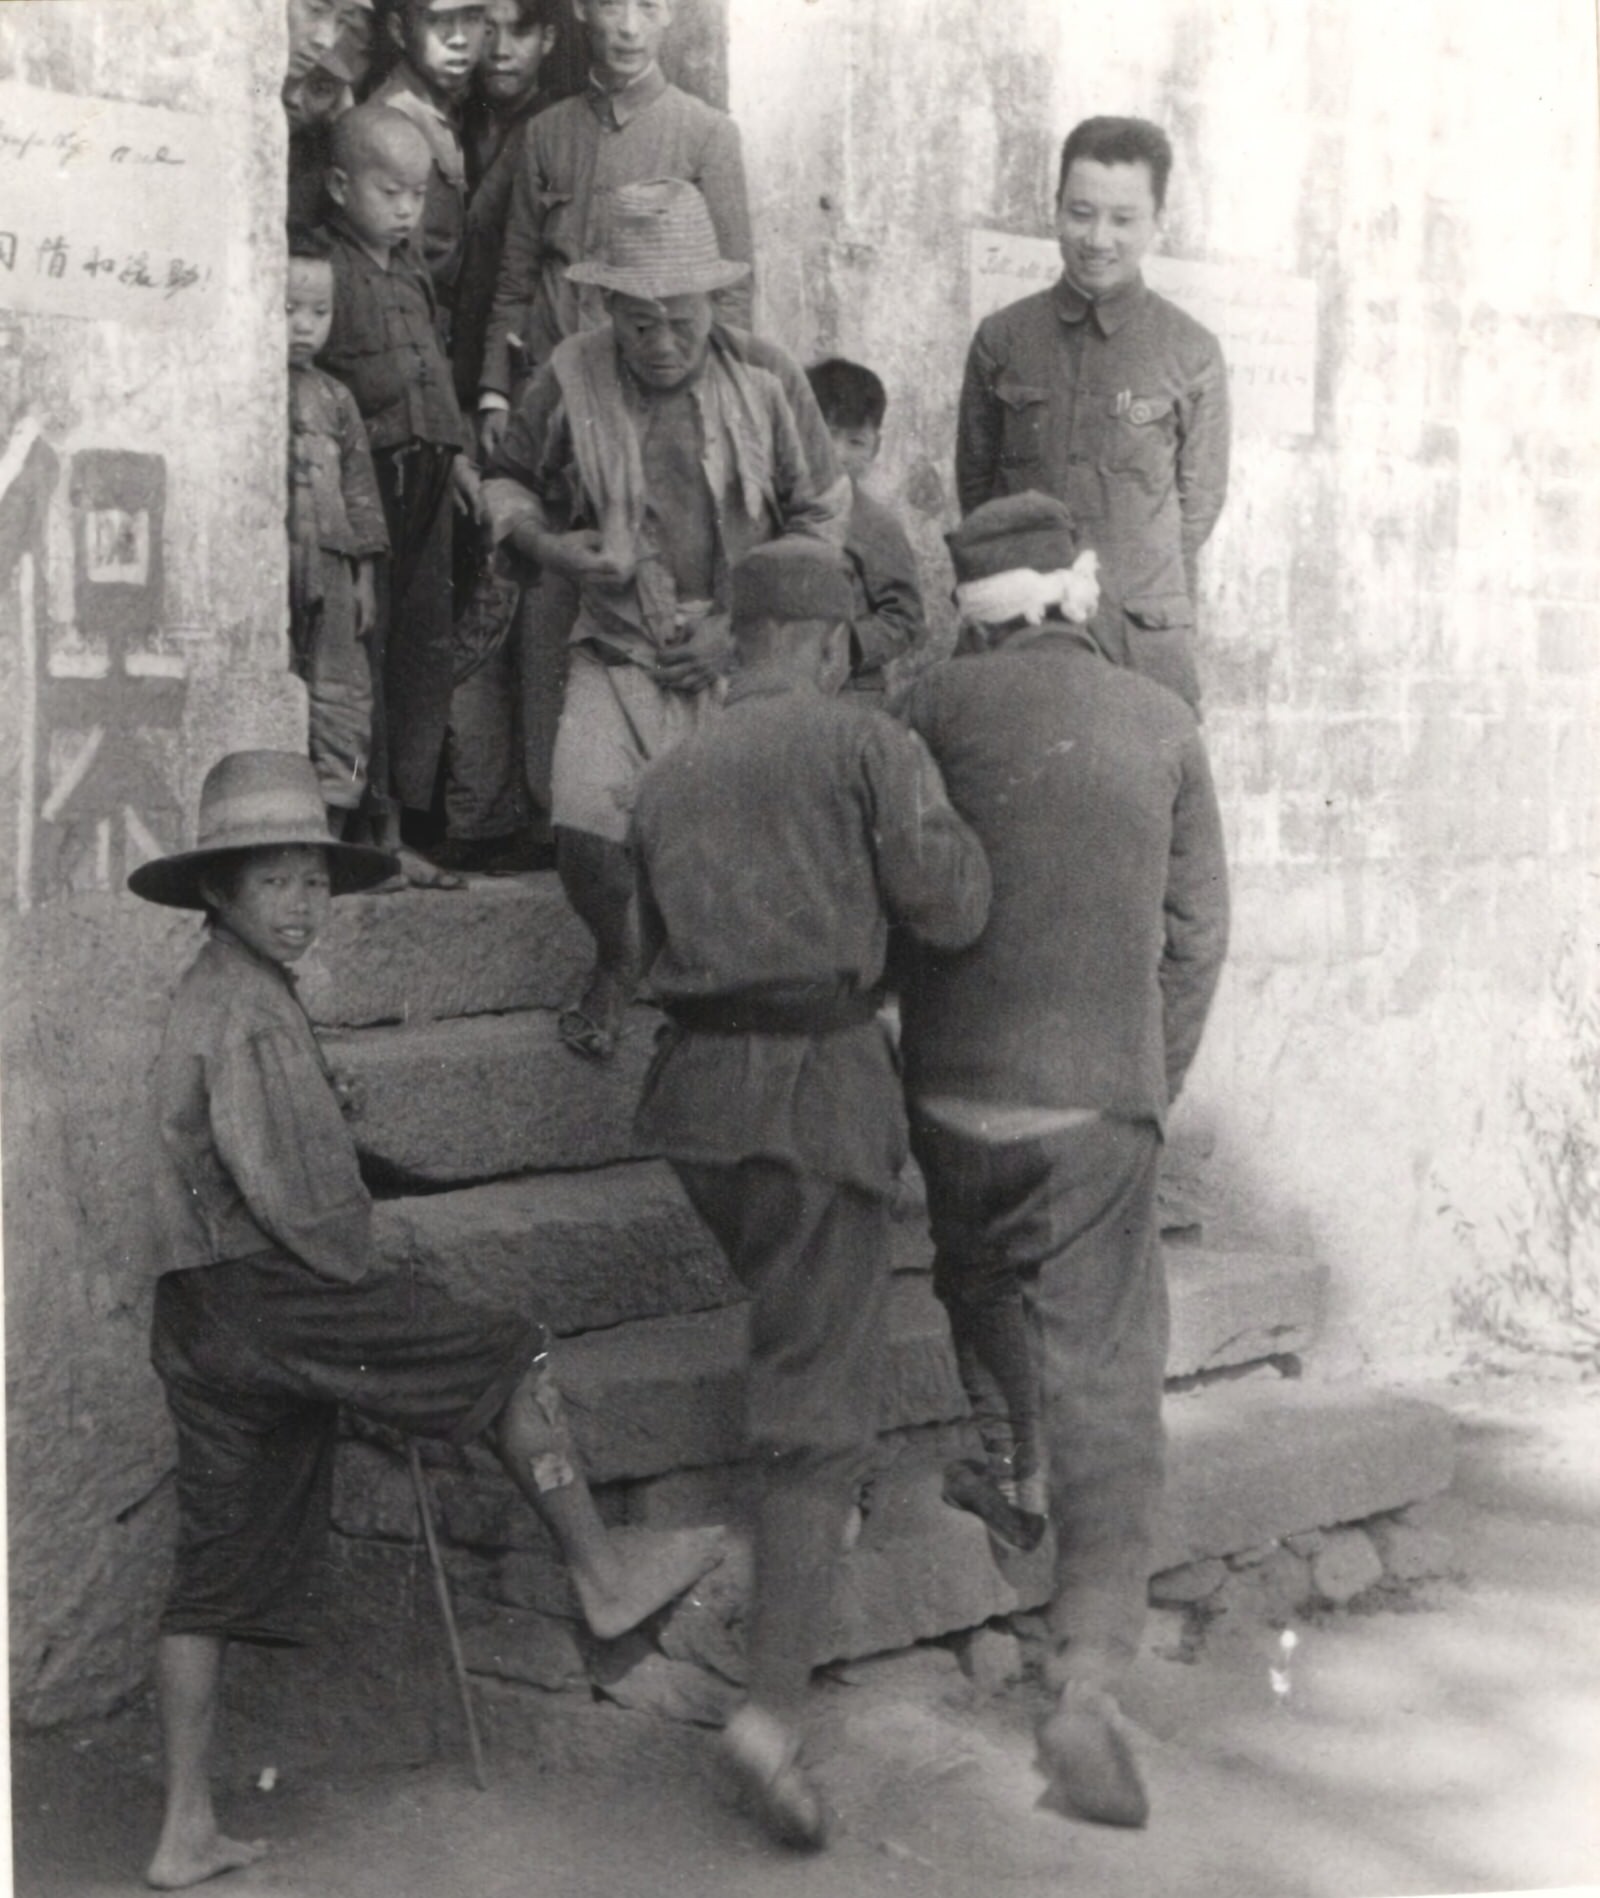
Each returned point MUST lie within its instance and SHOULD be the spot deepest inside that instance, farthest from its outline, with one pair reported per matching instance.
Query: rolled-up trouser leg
(976, 1275)
(1098, 1305)
(815, 1258)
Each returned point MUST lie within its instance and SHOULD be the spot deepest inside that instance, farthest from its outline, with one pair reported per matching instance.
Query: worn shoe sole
(1090, 1767)
(777, 1787)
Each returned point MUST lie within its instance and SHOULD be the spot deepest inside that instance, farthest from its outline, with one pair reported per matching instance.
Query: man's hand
(580, 555)
(492, 426)
(365, 592)
(467, 487)
(701, 660)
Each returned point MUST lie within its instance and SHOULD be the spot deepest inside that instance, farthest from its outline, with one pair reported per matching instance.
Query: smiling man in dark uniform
(1105, 395)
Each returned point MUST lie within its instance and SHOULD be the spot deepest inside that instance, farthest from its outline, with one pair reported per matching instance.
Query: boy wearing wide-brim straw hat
(644, 462)
(272, 1308)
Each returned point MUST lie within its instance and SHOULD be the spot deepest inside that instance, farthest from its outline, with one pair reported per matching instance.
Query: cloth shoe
(1085, 1756)
(764, 1756)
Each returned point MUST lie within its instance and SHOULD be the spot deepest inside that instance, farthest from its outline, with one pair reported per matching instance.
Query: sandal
(585, 1036)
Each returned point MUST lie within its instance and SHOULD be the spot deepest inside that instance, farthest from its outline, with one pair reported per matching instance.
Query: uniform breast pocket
(1138, 437)
(1023, 408)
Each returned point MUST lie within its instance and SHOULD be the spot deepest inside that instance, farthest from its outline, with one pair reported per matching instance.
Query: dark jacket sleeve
(1196, 913)
(280, 1134)
(978, 427)
(1204, 440)
(931, 867)
(722, 184)
(363, 505)
(889, 619)
(518, 274)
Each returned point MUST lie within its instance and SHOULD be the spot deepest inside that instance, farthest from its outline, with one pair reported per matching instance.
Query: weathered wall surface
(1401, 616)
(141, 635)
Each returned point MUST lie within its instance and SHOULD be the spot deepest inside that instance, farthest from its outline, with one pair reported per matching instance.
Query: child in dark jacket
(888, 623)
(336, 534)
(384, 345)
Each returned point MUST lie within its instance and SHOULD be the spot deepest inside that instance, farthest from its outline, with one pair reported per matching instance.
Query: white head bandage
(1023, 594)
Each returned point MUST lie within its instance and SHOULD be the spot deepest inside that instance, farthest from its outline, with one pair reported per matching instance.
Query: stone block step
(1248, 1465)
(621, 1243)
(587, 1250)
(1235, 1308)
(449, 1102)
(502, 943)
(666, 1393)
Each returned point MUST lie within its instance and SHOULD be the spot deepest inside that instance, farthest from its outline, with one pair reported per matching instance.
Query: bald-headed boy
(385, 346)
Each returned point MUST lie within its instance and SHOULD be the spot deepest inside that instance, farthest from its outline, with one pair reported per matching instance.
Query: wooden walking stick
(441, 1588)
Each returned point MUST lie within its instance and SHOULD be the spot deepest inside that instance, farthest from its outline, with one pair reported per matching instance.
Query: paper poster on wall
(1265, 319)
(106, 209)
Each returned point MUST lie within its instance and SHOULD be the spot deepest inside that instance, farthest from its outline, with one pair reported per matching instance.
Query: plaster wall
(108, 720)
(1400, 636)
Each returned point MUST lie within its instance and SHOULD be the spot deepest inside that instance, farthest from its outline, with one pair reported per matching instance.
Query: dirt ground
(1448, 1744)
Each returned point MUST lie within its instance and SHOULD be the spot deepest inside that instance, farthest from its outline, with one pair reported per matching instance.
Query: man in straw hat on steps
(644, 461)
(272, 1309)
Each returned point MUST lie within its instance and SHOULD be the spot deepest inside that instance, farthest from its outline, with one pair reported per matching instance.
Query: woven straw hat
(258, 800)
(659, 242)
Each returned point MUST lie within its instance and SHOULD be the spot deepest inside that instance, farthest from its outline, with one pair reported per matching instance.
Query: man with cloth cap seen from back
(778, 847)
(1040, 1063)
(646, 458)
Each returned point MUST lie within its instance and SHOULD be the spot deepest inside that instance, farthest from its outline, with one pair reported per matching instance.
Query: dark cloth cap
(1029, 530)
(792, 579)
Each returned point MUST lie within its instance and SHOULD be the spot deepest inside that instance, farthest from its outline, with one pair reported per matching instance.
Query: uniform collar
(616, 108)
(1110, 312)
(1058, 635)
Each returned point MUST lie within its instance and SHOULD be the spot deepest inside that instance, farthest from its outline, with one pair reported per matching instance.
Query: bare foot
(182, 1862)
(653, 1567)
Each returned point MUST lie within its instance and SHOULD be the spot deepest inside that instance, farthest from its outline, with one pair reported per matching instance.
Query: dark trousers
(814, 1256)
(503, 721)
(413, 654)
(1067, 1224)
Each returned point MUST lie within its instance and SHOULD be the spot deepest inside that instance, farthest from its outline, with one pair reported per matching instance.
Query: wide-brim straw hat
(658, 241)
(258, 800)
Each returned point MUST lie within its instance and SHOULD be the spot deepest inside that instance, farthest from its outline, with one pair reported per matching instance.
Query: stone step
(502, 943)
(619, 1243)
(666, 1394)
(449, 1102)
(586, 1250)
(1248, 1465)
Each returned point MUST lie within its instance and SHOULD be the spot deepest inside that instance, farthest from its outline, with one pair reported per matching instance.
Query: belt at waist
(795, 1011)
